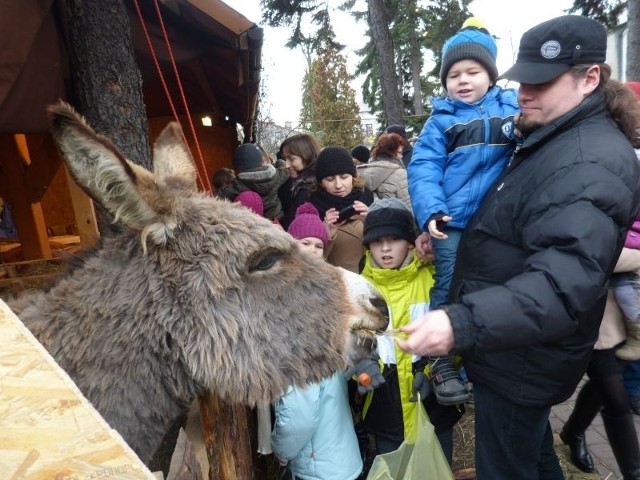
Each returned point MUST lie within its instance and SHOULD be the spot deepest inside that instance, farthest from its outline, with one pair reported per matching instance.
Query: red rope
(203, 185)
(184, 98)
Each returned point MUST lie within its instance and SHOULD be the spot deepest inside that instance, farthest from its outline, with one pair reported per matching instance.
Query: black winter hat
(395, 128)
(388, 217)
(551, 48)
(334, 161)
(247, 157)
(361, 153)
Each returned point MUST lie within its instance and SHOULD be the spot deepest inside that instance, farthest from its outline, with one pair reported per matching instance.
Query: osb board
(48, 430)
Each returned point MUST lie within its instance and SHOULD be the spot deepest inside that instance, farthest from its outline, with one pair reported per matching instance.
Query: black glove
(421, 385)
(370, 367)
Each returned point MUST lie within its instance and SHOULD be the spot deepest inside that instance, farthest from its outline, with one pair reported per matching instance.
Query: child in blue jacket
(313, 433)
(462, 150)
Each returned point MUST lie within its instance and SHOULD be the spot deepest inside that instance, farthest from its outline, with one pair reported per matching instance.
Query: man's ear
(591, 80)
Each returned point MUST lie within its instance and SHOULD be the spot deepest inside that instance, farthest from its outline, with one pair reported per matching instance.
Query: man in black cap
(531, 278)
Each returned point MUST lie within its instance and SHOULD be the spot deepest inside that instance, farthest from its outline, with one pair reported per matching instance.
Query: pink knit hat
(307, 223)
(252, 201)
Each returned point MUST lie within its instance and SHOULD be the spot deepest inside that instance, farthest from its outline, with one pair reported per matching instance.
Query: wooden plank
(84, 212)
(47, 427)
(27, 215)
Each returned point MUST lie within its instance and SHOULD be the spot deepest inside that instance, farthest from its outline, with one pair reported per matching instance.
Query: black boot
(447, 383)
(588, 404)
(623, 439)
(580, 456)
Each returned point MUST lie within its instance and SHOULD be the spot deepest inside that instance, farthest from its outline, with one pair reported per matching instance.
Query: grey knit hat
(470, 43)
(388, 217)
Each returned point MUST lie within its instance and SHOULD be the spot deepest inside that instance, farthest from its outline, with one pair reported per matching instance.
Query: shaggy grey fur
(195, 293)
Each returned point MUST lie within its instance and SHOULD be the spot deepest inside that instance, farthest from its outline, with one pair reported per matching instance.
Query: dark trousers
(512, 441)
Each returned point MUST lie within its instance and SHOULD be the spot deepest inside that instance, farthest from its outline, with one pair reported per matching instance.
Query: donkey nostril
(380, 305)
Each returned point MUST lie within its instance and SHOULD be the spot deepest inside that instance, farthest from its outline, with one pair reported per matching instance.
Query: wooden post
(226, 438)
(84, 213)
(32, 230)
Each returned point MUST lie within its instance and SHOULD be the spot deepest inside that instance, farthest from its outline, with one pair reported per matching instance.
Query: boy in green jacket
(404, 280)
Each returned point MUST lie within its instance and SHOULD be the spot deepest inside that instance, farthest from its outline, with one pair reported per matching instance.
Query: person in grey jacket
(257, 176)
(314, 434)
(385, 174)
(531, 279)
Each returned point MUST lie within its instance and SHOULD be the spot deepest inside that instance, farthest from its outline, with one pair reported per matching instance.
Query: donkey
(194, 293)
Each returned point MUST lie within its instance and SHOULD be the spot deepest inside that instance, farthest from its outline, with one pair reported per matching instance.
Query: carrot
(364, 379)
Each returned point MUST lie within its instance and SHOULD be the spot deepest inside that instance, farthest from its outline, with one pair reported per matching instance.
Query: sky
(283, 69)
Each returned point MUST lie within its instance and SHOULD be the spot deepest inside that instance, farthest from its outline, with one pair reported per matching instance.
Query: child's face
(467, 81)
(312, 245)
(389, 252)
(339, 185)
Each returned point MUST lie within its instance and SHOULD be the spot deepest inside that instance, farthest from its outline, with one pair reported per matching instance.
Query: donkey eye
(265, 261)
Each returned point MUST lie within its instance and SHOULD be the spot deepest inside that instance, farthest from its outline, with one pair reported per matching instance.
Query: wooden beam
(28, 216)
(44, 163)
(226, 438)
(84, 212)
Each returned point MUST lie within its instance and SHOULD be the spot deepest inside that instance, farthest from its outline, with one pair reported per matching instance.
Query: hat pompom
(307, 208)
(474, 22)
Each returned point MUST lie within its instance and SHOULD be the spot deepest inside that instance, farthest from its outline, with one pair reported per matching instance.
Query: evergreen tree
(329, 107)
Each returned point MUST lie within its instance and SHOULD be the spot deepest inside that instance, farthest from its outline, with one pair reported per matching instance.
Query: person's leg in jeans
(445, 252)
(512, 441)
(447, 384)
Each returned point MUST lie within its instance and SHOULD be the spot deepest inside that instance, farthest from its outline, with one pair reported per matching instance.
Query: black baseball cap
(550, 49)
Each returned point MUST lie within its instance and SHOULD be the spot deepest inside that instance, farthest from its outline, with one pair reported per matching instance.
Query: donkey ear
(172, 163)
(100, 169)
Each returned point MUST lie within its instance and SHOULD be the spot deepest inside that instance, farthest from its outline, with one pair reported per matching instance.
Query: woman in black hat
(339, 189)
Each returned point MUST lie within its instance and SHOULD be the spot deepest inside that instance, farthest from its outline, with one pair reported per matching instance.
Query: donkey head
(243, 310)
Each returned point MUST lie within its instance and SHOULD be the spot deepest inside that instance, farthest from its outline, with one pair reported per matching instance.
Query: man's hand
(432, 334)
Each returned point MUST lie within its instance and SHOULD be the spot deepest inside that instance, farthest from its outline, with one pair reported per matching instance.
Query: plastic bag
(419, 457)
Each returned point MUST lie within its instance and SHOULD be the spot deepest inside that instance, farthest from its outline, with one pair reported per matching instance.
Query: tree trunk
(414, 59)
(633, 41)
(388, 78)
(106, 82)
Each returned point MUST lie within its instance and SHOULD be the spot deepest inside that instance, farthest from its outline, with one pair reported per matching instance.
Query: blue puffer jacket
(314, 432)
(462, 150)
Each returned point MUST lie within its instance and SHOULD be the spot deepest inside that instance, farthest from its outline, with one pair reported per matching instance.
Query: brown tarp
(217, 52)
(32, 65)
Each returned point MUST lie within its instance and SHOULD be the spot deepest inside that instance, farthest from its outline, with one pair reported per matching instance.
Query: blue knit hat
(471, 42)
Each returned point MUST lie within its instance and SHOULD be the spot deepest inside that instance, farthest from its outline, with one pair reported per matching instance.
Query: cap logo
(550, 49)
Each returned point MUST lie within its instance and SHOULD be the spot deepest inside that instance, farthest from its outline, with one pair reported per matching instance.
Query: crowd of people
(506, 242)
